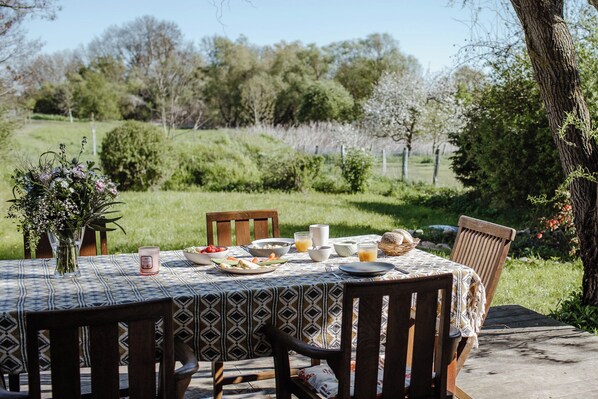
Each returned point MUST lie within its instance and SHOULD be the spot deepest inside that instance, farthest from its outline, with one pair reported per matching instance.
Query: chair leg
(217, 378)
(14, 383)
(460, 394)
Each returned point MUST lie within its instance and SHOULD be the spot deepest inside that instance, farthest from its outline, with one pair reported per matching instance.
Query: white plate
(267, 240)
(238, 270)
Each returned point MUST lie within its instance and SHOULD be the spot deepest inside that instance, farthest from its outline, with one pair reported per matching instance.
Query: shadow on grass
(409, 214)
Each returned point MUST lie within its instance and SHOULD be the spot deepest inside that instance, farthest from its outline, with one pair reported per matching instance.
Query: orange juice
(303, 241)
(368, 255)
(367, 251)
(303, 244)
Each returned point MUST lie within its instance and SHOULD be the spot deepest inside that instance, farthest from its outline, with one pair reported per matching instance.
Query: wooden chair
(483, 246)
(242, 226)
(89, 245)
(237, 225)
(426, 356)
(103, 325)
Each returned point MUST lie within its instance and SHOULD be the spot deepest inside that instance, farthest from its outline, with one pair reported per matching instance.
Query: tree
(359, 64)
(506, 135)
(324, 101)
(258, 96)
(551, 49)
(163, 67)
(14, 49)
(395, 108)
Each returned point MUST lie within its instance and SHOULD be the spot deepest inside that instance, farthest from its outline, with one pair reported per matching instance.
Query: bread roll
(392, 238)
(406, 235)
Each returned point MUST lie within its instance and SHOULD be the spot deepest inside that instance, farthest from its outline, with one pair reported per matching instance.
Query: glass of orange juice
(367, 251)
(303, 241)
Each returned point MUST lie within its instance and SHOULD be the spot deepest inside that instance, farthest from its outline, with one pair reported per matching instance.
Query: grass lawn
(174, 220)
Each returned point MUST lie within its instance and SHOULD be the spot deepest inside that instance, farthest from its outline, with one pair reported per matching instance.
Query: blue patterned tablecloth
(218, 314)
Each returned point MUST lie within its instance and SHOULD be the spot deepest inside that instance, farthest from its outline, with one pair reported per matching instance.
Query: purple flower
(100, 186)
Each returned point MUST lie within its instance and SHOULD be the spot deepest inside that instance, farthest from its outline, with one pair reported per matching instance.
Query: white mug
(319, 234)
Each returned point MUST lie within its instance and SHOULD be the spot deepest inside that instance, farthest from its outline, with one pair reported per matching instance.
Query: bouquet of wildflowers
(60, 195)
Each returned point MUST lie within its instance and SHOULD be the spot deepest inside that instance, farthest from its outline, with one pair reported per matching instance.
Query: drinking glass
(367, 251)
(303, 241)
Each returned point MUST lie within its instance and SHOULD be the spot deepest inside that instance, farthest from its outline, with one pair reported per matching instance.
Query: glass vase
(66, 245)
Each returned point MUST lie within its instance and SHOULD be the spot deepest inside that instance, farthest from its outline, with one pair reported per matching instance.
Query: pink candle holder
(149, 260)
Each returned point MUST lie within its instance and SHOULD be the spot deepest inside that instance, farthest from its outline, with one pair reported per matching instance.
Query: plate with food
(246, 266)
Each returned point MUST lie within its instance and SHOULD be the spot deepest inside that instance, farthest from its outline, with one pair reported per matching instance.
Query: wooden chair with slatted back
(429, 362)
(237, 224)
(89, 245)
(483, 246)
(235, 227)
(103, 324)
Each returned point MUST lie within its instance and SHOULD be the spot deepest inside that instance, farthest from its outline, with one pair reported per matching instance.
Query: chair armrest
(4, 394)
(184, 354)
(276, 335)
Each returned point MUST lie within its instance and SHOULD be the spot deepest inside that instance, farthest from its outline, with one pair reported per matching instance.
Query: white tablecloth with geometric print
(216, 313)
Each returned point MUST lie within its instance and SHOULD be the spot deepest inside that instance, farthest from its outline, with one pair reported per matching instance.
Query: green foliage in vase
(61, 194)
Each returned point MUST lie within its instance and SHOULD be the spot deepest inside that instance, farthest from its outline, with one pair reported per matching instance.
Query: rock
(418, 232)
(427, 245)
(446, 229)
(443, 246)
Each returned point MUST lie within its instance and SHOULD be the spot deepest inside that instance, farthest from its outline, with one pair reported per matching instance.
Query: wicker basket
(397, 250)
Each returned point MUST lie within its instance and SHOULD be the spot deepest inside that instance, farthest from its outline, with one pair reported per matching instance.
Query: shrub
(506, 151)
(326, 100)
(357, 169)
(573, 312)
(215, 167)
(136, 155)
(291, 172)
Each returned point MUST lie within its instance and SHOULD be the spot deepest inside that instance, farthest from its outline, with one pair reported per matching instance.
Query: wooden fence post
(93, 134)
(383, 162)
(343, 153)
(405, 164)
(436, 165)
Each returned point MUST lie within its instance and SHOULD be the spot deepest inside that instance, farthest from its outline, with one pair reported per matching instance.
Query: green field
(174, 220)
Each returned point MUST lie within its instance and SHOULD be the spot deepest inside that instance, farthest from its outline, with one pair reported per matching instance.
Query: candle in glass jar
(149, 260)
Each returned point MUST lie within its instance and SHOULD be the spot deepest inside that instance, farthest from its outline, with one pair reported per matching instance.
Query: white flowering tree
(407, 106)
(395, 107)
(444, 112)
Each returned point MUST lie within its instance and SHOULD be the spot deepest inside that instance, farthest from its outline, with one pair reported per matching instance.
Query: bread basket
(397, 250)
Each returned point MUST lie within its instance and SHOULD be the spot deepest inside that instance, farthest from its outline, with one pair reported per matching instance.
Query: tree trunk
(552, 53)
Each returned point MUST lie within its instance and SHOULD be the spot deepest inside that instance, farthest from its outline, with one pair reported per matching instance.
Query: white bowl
(320, 254)
(280, 249)
(194, 256)
(345, 248)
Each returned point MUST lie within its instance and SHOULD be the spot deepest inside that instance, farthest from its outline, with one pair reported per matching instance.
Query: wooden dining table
(217, 313)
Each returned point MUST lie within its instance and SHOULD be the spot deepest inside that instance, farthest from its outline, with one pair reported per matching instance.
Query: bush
(292, 172)
(136, 156)
(326, 100)
(506, 151)
(357, 169)
(573, 312)
(215, 167)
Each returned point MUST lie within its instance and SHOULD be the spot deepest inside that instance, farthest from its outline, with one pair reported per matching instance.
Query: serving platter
(366, 269)
(268, 262)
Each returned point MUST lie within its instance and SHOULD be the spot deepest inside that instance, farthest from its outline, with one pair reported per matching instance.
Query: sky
(430, 30)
